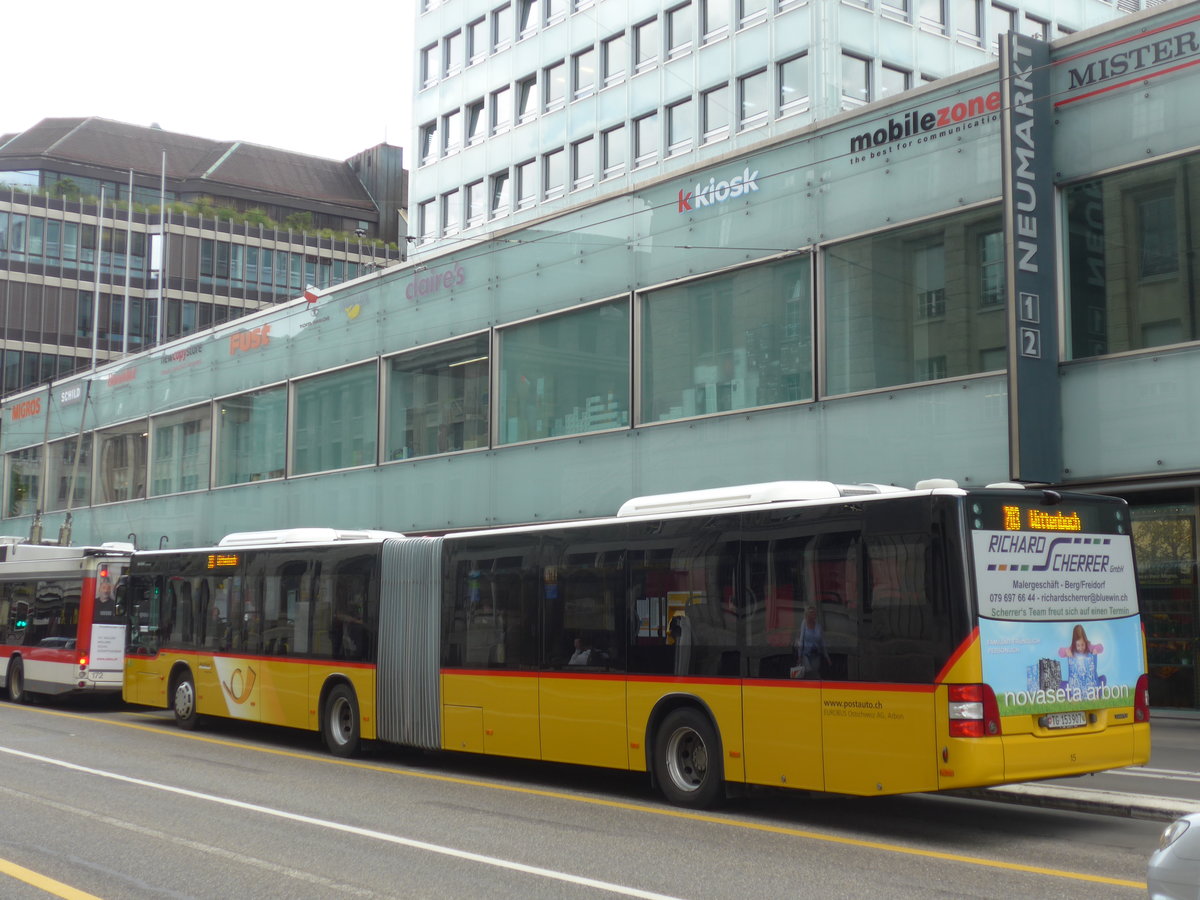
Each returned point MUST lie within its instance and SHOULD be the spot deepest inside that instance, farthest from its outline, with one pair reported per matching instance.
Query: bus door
(581, 686)
(781, 695)
(879, 713)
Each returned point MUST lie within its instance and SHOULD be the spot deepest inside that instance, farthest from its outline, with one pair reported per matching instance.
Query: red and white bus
(61, 631)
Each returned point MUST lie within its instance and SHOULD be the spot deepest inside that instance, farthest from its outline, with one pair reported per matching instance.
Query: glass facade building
(834, 304)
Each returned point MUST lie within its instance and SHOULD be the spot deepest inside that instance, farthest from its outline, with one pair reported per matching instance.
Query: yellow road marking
(42, 883)
(668, 812)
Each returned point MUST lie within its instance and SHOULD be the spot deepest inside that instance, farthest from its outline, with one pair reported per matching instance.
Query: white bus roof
(302, 536)
(749, 495)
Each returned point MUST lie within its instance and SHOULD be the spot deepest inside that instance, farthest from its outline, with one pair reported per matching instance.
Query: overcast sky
(324, 78)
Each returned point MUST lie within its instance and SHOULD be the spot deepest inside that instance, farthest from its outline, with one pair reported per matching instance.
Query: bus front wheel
(16, 682)
(183, 702)
(687, 761)
(339, 724)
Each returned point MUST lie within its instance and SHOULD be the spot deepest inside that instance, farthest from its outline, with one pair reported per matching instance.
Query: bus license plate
(1066, 720)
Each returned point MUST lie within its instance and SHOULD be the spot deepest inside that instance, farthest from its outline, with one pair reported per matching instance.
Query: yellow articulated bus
(856, 639)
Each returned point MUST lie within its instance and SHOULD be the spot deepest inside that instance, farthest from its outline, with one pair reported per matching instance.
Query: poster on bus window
(1059, 627)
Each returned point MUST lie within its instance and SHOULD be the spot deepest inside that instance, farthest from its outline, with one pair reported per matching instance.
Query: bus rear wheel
(339, 722)
(16, 682)
(687, 761)
(183, 702)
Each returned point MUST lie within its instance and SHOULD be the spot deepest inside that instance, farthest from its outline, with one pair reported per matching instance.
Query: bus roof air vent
(746, 495)
(933, 484)
(1006, 485)
(302, 536)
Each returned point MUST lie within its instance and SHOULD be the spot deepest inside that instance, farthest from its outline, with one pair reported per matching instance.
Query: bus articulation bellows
(858, 639)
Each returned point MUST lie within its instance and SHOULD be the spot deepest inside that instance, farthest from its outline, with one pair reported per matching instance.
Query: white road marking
(455, 853)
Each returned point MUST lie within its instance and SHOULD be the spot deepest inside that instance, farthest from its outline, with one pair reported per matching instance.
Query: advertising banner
(1059, 625)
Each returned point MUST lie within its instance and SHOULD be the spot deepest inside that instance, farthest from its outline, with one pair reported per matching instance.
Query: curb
(1109, 803)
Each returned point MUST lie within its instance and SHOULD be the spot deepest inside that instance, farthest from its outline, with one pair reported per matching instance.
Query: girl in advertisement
(1081, 662)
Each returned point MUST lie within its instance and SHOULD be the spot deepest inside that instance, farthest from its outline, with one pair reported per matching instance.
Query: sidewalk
(1057, 795)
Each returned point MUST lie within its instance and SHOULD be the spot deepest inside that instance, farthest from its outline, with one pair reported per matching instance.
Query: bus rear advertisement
(856, 639)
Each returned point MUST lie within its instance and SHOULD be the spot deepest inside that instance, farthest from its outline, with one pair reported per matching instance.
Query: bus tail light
(83, 661)
(1141, 699)
(973, 711)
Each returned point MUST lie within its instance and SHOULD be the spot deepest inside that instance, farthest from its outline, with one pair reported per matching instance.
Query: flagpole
(128, 254)
(96, 290)
(162, 248)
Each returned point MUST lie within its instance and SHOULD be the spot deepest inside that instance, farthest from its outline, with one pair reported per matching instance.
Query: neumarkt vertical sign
(1034, 419)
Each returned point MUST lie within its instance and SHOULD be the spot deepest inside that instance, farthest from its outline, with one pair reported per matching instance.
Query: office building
(246, 226)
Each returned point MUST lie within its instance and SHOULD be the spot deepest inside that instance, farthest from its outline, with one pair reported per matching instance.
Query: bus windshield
(1057, 599)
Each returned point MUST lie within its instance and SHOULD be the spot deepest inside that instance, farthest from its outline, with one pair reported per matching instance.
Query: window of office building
(554, 81)
(335, 420)
(555, 10)
(121, 463)
(731, 341)
(503, 27)
(1131, 259)
(23, 479)
(614, 58)
(526, 183)
(565, 374)
(429, 65)
(1001, 20)
(968, 20)
(182, 451)
(527, 17)
(502, 110)
(584, 65)
(714, 110)
(751, 12)
(645, 45)
(898, 299)
(452, 131)
(754, 99)
(251, 436)
(500, 194)
(452, 53)
(475, 130)
(477, 41)
(794, 85)
(69, 479)
(932, 14)
(714, 19)
(451, 212)
(856, 81)
(613, 152)
(893, 80)
(681, 29)
(437, 399)
(554, 173)
(426, 221)
(645, 140)
(897, 9)
(583, 163)
(681, 126)
(526, 99)
(476, 202)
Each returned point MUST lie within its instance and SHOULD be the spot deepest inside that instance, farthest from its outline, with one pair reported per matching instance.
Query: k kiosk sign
(1034, 401)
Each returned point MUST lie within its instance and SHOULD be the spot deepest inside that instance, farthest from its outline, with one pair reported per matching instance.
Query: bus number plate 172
(1065, 720)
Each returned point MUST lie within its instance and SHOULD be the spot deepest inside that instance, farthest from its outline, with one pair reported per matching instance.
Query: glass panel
(716, 113)
(555, 81)
(63, 472)
(714, 16)
(24, 481)
(755, 99)
(906, 305)
(793, 84)
(856, 81)
(681, 29)
(585, 72)
(565, 374)
(251, 436)
(645, 138)
(614, 58)
(554, 173)
(438, 399)
(121, 463)
(336, 420)
(1164, 536)
(583, 162)
(645, 44)
(182, 450)
(1132, 259)
(681, 126)
(733, 341)
(613, 151)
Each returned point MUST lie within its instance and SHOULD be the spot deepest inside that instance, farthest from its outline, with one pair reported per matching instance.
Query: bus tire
(183, 702)
(687, 759)
(339, 721)
(16, 682)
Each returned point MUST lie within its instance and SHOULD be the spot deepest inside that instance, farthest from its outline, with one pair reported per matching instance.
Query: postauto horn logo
(718, 191)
